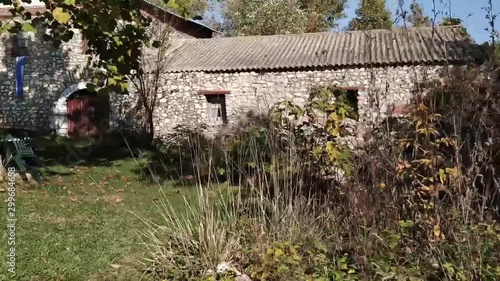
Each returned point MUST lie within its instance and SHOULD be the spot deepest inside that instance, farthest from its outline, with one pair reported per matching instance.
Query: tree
(191, 8)
(371, 14)
(417, 17)
(147, 83)
(451, 21)
(268, 17)
(496, 59)
(491, 16)
(115, 31)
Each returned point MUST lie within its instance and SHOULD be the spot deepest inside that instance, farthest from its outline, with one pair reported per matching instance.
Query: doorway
(88, 114)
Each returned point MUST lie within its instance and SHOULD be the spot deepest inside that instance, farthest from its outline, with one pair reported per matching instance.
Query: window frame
(216, 101)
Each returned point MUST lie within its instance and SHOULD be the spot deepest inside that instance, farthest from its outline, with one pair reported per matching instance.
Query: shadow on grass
(197, 161)
(169, 167)
(181, 165)
(56, 150)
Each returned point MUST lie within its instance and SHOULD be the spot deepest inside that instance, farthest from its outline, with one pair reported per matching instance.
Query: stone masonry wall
(380, 89)
(48, 72)
(50, 75)
(125, 111)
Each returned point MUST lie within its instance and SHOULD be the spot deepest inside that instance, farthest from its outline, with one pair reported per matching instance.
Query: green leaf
(111, 81)
(172, 4)
(5, 28)
(406, 223)
(221, 171)
(442, 176)
(449, 267)
(278, 252)
(117, 41)
(112, 68)
(28, 27)
(452, 171)
(70, 2)
(124, 86)
(61, 16)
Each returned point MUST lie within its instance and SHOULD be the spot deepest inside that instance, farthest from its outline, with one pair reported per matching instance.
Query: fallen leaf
(2, 189)
(118, 199)
(116, 266)
(119, 190)
(437, 230)
(74, 198)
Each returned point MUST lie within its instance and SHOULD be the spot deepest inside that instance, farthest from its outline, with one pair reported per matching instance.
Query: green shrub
(280, 261)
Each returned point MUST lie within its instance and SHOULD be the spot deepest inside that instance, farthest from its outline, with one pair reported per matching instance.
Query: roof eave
(328, 67)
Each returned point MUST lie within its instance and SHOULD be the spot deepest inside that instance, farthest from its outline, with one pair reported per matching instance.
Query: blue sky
(470, 11)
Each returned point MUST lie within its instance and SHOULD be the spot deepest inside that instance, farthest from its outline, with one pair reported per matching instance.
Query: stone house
(54, 96)
(217, 81)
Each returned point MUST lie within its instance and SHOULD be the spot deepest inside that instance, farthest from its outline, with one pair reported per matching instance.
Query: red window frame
(213, 93)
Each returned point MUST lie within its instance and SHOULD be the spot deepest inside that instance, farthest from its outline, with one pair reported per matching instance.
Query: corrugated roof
(172, 13)
(318, 50)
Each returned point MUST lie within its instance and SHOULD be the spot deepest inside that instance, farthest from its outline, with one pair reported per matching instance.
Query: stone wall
(379, 90)
(125, 111)
(50, 76)
(48, 72)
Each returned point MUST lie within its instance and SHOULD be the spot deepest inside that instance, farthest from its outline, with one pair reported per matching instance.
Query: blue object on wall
(20, 75)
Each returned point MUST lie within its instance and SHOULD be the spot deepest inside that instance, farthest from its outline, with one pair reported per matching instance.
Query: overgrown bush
(419, 202)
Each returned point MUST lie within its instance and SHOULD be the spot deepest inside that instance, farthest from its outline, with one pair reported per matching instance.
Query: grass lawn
(79, 225)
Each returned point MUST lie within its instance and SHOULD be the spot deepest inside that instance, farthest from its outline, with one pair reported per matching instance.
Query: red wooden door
(85, 113)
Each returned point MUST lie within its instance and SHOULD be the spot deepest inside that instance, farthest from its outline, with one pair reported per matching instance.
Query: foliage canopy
(417, 17)
(264, 17)
(371, 14)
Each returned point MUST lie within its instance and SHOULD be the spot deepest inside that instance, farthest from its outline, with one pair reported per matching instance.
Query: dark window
(350, 96)
(20, 43)
(216, 109)
(352, 100)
